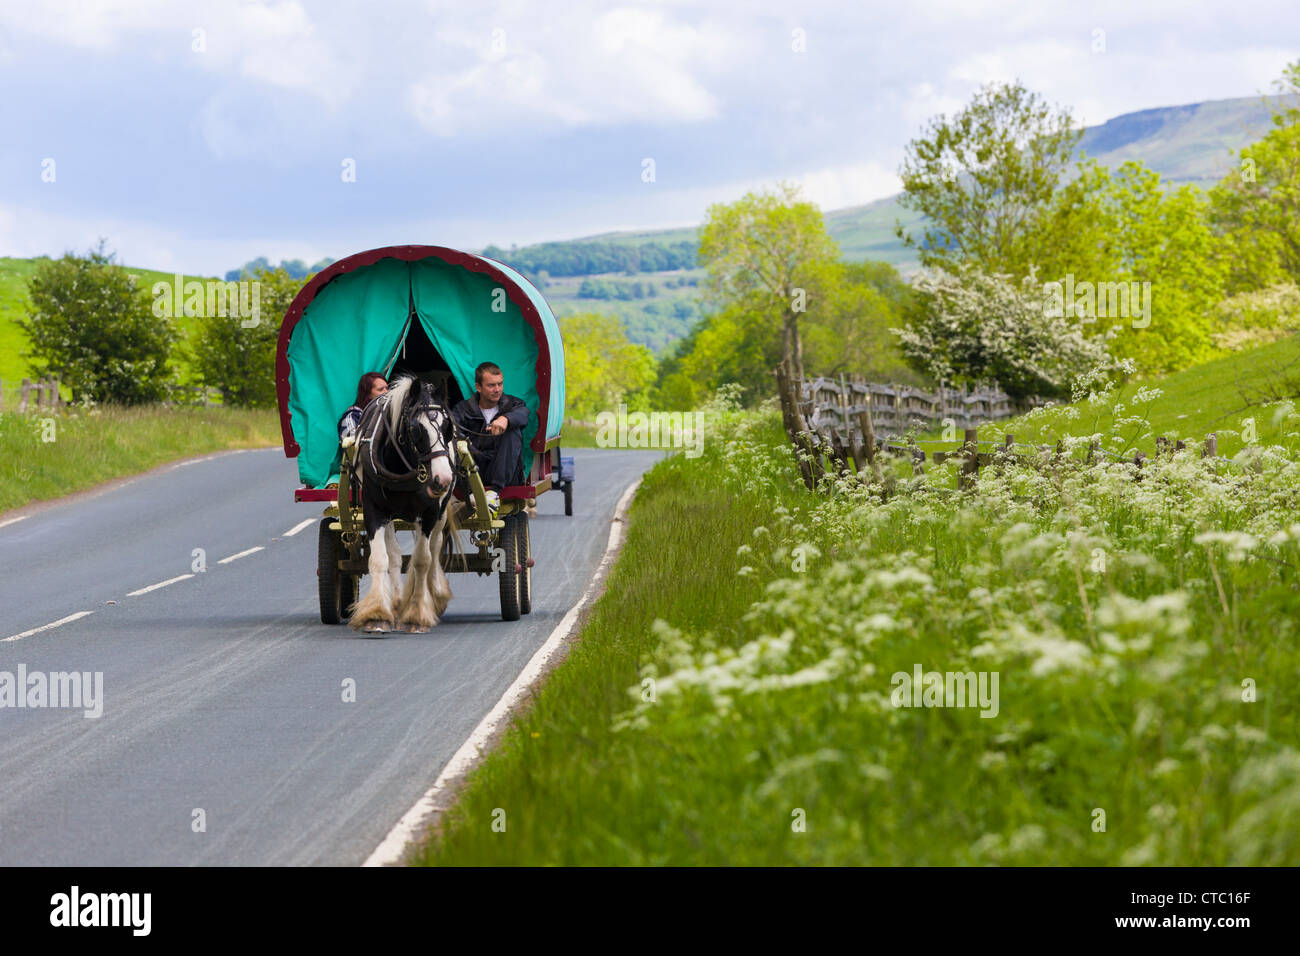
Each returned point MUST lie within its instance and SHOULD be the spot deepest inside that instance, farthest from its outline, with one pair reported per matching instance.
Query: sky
(196, 136)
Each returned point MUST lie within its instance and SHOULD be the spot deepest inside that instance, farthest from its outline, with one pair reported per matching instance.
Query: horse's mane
(398, 394)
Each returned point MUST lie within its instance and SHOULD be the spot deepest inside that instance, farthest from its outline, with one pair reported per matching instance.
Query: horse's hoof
(417, 629)
(377, 627)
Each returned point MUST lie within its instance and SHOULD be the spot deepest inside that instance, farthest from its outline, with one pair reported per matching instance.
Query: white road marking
(160, 584)
(463, 760)
(242, 554)
(46, 627)
(5, 524)
(193, 461)
(295, 529)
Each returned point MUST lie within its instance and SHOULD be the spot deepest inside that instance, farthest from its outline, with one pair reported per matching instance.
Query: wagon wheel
(568, 498)
(525, 536)
(337, 590)
(348, 586)
(508, 541)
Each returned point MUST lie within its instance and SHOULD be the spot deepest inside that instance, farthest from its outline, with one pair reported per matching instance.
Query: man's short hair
(486, 367)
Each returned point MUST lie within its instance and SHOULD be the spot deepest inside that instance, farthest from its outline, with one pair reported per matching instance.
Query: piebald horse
(403, 464)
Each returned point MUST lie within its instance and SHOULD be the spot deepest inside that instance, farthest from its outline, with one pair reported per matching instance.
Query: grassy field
(739, 695)
(47, 457)
(14, 275)
(1225, 397)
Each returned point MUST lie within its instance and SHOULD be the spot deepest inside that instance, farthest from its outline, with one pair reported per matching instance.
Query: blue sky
(197, 136)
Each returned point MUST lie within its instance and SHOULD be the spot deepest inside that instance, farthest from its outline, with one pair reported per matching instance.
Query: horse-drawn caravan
(426, 317)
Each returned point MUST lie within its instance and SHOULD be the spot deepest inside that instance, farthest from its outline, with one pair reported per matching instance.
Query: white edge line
(298, 527)
(46, 627)
(391, 849)
(160, 584)
(242, 554)
(5, 524)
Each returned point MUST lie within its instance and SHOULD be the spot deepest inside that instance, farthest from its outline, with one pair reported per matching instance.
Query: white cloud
(578, 68)
(851, 185)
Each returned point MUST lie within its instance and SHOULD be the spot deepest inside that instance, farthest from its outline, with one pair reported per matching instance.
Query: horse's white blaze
(439, 467)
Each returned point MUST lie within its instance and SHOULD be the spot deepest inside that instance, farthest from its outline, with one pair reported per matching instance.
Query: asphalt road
(223, 699)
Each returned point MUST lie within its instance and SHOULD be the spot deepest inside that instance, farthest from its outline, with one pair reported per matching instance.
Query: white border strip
(242, 554)
(160, 584)
(5, 524)
(46, 627)
(390, 850)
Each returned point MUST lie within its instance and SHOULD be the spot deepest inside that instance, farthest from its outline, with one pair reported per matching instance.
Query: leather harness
(374, 427)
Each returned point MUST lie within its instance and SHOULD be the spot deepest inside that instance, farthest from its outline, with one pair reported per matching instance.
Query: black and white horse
(403, 463)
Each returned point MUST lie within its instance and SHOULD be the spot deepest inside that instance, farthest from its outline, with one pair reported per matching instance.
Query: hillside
(14, 275)
(1192, 143)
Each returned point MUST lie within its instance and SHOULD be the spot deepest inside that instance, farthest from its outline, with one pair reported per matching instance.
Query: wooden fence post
(838, 455)
(788, 419)
(24, 395)
(971, 466)
(1211, 449)
(869, 442)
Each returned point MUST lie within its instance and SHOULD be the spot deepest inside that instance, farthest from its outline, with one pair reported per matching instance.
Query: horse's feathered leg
(375, 609)
(394, 561)
(416, 608)
(438, 585)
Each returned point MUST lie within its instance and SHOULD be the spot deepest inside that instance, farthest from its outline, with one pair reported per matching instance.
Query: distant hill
(1184, 144)
(1193, 144)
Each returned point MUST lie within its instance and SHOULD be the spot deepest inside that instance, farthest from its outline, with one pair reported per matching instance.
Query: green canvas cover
(357, 323)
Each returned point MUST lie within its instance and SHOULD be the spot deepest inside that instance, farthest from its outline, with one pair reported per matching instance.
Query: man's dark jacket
(486, 449)
(470, 417)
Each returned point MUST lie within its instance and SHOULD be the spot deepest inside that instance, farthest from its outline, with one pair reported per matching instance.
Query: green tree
(1129, 226)
(969, 326)
(92, 325)
(602, 368)
(986, 179)
(1256, 207)
(851, 333)
(771, 251)
(239, 360)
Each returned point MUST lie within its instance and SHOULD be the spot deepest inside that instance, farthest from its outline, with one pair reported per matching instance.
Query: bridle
(418, 473)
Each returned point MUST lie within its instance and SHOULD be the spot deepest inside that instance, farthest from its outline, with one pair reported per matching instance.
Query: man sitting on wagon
(495, 422)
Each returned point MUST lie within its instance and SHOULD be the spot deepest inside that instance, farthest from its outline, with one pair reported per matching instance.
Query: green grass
(107, 442)
(14, 276)
(1218, 397)
(730, 699)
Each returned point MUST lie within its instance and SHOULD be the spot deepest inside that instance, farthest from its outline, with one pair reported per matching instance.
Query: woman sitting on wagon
(371, 386)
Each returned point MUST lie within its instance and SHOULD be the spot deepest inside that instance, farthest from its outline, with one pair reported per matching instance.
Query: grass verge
(734, 698)
(43, 457)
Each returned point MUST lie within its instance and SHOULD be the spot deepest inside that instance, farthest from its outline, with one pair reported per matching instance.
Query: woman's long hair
(364, 386)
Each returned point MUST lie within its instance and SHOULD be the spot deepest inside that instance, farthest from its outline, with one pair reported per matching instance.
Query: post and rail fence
(41, 395)
(844, 417)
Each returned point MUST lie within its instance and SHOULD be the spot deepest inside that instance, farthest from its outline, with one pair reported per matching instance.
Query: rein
(416, 474)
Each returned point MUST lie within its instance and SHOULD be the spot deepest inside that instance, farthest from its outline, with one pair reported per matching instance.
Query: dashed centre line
(46, 627)
(160, 584)
(241, 554)
(292, 531)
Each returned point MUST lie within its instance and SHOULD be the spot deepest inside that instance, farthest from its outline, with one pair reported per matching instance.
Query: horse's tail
(398, 395)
